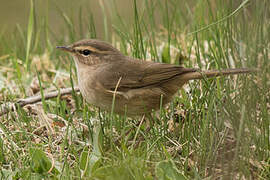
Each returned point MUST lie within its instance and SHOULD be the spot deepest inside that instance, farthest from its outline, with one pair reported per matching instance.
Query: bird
(133, 87)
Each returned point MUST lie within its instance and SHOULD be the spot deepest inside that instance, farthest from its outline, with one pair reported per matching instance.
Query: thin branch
(4, 109)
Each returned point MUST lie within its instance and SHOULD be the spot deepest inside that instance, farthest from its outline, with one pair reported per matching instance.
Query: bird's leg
(149, 120)
(137, 125)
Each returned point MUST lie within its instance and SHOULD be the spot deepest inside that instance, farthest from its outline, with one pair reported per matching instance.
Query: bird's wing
(141, 74)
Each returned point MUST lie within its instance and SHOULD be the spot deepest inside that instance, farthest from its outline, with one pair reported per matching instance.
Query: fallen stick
(34, 99)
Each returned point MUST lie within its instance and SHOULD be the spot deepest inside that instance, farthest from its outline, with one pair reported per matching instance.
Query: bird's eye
(85, 52)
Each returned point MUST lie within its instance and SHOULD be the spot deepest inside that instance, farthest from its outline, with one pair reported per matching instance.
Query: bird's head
(91, 52)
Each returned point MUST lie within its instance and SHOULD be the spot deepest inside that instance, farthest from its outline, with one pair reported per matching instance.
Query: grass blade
(29, 34)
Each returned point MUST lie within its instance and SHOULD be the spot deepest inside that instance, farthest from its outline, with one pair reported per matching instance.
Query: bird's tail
(214, 73)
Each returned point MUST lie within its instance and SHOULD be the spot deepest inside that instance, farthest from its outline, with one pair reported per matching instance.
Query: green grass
(216, 127)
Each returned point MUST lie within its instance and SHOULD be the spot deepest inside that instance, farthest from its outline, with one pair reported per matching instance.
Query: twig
(34, 99)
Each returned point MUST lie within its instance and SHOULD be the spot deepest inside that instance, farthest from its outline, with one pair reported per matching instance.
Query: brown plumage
(137, 85)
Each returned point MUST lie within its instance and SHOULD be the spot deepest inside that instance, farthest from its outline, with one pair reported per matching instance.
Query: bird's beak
(66, 48)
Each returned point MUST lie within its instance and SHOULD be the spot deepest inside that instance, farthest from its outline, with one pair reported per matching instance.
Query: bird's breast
(92, 90)
(86, 85)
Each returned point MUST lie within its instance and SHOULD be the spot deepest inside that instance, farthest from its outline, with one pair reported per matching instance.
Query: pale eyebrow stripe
(80, 48)
(90, 48)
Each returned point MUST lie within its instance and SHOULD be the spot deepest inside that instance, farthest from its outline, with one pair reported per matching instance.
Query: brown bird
(137, 86)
